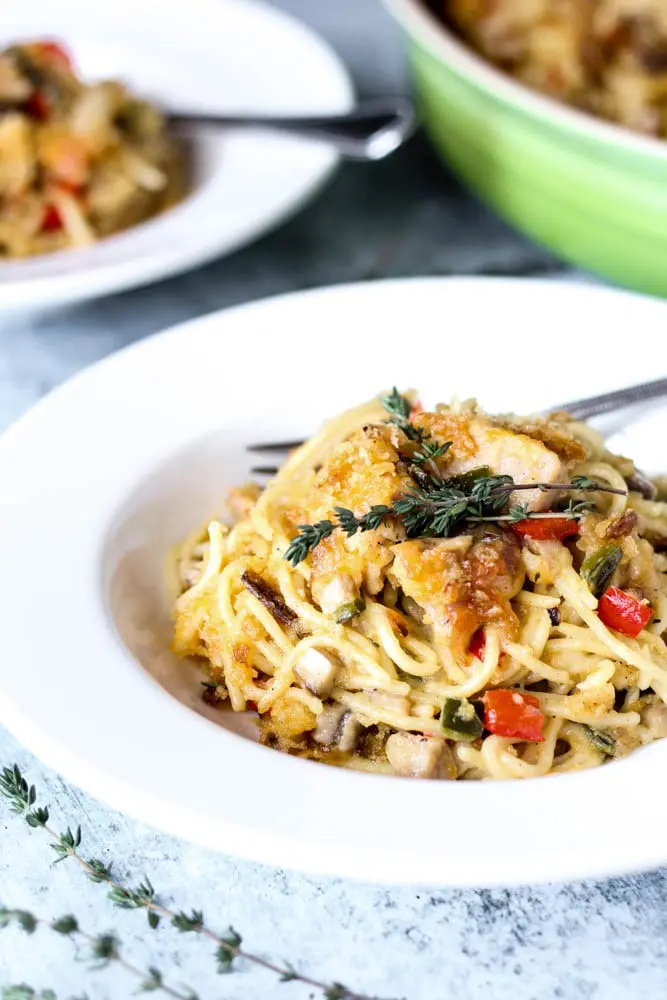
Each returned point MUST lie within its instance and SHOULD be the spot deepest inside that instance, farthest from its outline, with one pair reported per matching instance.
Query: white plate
(104, 475)
(216, 55)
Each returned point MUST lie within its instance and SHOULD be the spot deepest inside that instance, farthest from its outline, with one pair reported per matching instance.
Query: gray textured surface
(607, 939)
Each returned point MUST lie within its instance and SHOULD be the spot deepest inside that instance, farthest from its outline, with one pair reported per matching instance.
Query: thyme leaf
(397, 406)
(441, 508)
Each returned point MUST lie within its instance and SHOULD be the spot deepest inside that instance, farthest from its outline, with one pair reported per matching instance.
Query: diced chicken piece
(414, 756)
(337, 727)
(544, 560)
(17, 161)
(14, 88)
(358, 473)
(655, 719)
(461, 590)
(477, 442)
(317, 671)
(334, 593)
(516, 455)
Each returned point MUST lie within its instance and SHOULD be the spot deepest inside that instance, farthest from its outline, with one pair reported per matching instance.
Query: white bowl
(103, 476)
(203, 55)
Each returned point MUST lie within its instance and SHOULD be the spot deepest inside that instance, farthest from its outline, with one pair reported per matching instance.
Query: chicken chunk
(414, 756)
(463, 590)
(363, 471)
(317, 669)
(477, 442)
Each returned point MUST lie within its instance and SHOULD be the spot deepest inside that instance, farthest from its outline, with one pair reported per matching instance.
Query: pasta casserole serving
(77, 161)
(438, 594)
(608, 57)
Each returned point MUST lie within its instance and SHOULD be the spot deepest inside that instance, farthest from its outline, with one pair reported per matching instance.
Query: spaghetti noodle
(438, 594)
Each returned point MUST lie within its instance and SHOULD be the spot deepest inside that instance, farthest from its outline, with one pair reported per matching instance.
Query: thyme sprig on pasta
(441, 509)
(399, 409)
(22, 799)
(438, 507)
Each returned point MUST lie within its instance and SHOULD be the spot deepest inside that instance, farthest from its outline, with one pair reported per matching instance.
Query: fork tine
(265, 470)
(274, 446)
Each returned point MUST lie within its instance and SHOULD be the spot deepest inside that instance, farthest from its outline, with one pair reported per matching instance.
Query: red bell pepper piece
(513, 714)
(478, 644)
(623, 612)
(546, 528)
(37, 106)
(56, 53)
(51, 220)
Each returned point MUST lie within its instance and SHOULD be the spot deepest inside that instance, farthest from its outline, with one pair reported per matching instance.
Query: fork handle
(593, 406)
(372, 130)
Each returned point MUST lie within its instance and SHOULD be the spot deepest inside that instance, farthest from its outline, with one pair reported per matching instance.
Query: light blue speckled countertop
(601, 940)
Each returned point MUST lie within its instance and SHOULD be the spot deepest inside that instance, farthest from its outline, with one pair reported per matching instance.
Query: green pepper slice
(598, 569)
(460, 721)
(601, 740)
(346, 612)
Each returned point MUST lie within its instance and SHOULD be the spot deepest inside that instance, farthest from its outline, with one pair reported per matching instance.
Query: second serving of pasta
(608, 57)
(438, 594)
(77, 161)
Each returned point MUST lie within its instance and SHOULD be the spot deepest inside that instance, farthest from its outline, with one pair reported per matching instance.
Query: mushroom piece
(640, 483)
(271, 600)
(415, 756)
(336, 726)
(317, 671)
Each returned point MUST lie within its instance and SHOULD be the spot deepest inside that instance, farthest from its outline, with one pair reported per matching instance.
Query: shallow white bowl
(105, 474)
(203, 55)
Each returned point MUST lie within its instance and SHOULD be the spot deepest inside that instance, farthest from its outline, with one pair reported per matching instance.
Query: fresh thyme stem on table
(441, 507)
(105, 948)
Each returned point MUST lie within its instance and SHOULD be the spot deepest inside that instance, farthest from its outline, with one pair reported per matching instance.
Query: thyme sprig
(25, 992)
(440, 509)
(22, 798)
(437, 507)
(399, 409)
(103, 950)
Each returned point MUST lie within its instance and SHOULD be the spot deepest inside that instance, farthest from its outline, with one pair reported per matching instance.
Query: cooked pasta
(437, 594)
(77, 161)
(608, 57)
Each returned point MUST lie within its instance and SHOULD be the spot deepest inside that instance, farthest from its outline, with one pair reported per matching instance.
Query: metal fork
(580, 409)
(370, 131)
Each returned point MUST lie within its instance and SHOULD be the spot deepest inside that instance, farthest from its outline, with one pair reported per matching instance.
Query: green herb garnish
(439, 510)
(437, 507)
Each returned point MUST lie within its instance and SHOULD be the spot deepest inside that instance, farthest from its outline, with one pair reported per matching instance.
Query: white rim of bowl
(421, 23)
